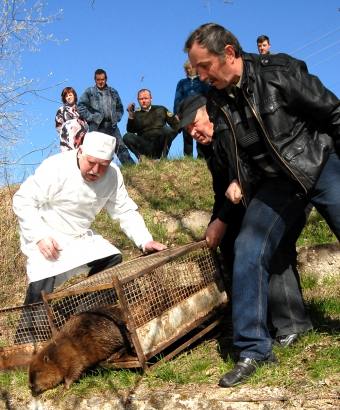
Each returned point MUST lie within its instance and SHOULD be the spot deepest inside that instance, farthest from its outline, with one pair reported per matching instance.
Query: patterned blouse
(70, 126)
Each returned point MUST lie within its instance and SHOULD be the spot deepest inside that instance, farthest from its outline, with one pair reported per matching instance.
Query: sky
(140, 45)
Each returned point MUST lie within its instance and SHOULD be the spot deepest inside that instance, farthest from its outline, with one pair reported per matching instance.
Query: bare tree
(22, 28)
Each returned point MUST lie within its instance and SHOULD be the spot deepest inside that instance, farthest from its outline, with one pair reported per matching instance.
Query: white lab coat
(57, 202)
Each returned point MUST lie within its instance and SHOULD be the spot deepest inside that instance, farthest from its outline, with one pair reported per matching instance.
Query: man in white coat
(57, 205)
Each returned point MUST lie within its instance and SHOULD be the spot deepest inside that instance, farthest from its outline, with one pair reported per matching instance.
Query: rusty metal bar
(129, 321)
(17, 356)
(124, 362)
(20, 308)
(49, 312)
(175, 254)
(78, 291)
(185, 331)
(187, 343)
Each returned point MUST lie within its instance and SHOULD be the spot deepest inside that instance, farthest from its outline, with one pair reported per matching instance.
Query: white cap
(99, 145)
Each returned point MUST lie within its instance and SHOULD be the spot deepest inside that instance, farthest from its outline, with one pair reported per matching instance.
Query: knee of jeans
(250, 255)
(244, 248)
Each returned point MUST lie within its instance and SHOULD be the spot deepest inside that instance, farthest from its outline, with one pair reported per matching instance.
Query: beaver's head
(44, 370)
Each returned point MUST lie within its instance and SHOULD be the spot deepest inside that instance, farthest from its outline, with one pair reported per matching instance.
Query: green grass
(309, 282)
(326, 363)
(326, 306)
(316, 231)
(314, 358)
(171, 189)
(15, 381)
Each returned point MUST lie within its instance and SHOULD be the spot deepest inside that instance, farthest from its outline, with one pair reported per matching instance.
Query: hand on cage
(153, 246)
(214, 233)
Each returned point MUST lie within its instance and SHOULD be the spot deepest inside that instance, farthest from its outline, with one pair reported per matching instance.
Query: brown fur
(85, 339)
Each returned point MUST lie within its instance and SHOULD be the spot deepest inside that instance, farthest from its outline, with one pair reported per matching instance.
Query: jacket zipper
(265, 133)
(243, 199)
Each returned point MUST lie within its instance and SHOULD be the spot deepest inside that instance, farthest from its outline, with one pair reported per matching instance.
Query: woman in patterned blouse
(70, 126)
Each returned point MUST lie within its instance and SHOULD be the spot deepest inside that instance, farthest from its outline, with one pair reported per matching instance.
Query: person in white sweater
(57, 205)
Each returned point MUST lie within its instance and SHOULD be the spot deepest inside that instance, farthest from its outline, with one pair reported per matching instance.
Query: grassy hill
(166, 192)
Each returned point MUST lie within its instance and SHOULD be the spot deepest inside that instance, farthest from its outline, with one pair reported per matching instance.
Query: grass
(316, 231)
(168, 190)
(314, 358)
(12, 262)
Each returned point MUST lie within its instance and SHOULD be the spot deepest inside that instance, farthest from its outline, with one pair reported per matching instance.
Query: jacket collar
(248, 77)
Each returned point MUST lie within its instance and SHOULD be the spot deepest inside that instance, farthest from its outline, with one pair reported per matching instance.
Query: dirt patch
(320, 260)
(197, 397)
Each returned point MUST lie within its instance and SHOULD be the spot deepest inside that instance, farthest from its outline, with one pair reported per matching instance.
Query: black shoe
(287, 340)
(243, 369)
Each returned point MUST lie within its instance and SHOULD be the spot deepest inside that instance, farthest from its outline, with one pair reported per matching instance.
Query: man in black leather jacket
(281, 128)
(288, 317)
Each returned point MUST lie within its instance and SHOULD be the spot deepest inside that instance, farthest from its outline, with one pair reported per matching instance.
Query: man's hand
(131, 110)
(214, 233)
(49, 248)
(154, 246)
(233, 192)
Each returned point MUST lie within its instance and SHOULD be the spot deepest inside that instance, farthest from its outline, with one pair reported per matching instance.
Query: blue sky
(140, 44)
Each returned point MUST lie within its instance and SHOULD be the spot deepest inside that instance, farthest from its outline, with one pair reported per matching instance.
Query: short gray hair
(214, 38)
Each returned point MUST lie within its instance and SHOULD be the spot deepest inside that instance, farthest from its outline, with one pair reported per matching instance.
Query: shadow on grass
(322, 323)
(321, 320)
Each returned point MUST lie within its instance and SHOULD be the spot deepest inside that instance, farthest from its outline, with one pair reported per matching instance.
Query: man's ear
(229, 51)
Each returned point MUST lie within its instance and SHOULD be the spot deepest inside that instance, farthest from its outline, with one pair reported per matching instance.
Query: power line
(321, 50)
(324, 61)
(316, 40)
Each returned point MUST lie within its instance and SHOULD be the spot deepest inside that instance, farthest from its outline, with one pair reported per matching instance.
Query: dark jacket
(189, 86)
(298, 117)
(146, 122)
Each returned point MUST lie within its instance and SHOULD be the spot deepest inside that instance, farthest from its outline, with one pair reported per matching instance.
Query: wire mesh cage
(163, 296)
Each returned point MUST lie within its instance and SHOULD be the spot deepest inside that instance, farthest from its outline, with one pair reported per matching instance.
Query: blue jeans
(326, 194)
(271, 214)
(286, 309)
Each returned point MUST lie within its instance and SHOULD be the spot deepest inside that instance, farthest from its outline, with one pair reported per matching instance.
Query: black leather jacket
(299, 119)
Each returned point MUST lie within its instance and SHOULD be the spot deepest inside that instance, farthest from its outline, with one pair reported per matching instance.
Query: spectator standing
(102, 108)
(191, 85)
(263, 44)
(147, 128)
(70, 126)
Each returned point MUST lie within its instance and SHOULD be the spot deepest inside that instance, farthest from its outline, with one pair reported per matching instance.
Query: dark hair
(67, 90)
(142, 90)
(262, 38)
(214, 38)
(100, 71)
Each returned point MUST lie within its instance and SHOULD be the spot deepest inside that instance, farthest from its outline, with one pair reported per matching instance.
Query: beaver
(86, 339)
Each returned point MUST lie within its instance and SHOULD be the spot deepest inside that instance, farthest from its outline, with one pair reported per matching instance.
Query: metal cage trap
(169, 300)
